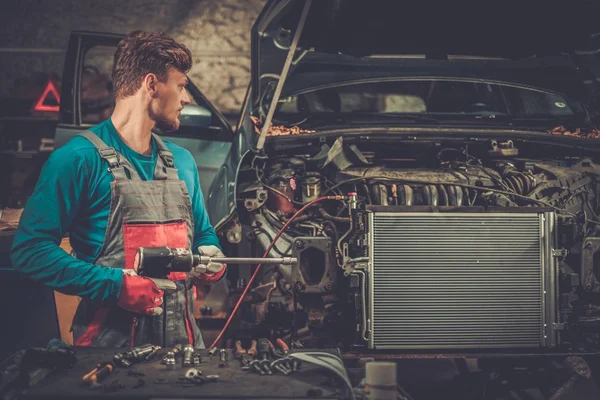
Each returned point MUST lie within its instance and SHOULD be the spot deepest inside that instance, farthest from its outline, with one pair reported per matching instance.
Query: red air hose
(283, 228)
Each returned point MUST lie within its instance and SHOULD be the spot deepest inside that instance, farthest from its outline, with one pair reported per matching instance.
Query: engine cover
(462, 280)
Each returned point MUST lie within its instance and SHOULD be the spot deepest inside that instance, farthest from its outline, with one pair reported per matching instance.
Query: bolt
(278, 365)
(287, 362)
(264, 350)
(281, 369)
(188, 353)
(254, 366)
(169, 356)
(299, 244)
(329, 286)
(262, 195)
(266, 366)
(300, 287)
(222, 358)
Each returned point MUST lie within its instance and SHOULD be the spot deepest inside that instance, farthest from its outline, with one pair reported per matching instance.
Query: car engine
(428, 246)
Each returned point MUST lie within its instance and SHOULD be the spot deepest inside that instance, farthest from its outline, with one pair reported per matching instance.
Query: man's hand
(140, 295)
(212, 268)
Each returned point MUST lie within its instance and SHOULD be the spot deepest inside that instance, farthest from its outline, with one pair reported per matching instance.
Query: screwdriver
(101, 371)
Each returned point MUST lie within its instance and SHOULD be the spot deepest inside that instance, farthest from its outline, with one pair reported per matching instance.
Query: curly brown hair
(141, 53)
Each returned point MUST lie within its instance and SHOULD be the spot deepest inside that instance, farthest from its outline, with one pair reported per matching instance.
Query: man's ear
(150, 83)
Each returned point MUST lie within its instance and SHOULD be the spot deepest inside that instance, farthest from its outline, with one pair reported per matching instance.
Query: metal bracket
(357, 268)
(560, 253)
(255, 203)
(589, 279)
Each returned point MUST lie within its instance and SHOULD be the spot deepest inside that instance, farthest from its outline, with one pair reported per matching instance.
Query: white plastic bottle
(380, 380)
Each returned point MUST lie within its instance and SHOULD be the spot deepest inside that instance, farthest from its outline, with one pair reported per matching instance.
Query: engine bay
(429, 246)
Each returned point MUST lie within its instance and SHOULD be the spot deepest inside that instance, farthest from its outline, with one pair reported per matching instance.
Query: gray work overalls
(142, 214)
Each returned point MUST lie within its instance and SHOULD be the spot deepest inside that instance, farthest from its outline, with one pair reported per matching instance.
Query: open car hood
(532, 34)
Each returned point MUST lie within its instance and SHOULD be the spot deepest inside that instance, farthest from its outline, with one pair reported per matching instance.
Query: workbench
(159, 383)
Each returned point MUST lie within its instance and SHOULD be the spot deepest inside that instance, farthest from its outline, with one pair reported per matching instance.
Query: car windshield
(432, 96)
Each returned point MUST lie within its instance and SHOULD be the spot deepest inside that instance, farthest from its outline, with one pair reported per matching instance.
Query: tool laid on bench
(136, 354)
(95, 376)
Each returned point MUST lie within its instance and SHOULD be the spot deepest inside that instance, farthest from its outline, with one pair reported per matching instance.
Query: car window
(97, 100)
(530, 102)
(426, 96)
(97, 96)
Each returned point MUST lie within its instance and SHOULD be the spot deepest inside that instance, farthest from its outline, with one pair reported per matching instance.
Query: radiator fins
(452, 280)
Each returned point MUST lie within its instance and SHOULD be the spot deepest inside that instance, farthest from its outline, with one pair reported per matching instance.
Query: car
(435, 174)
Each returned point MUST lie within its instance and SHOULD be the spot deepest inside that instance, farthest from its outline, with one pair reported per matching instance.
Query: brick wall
(34, 35)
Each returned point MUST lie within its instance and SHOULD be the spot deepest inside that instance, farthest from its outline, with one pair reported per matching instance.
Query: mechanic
(118, 187)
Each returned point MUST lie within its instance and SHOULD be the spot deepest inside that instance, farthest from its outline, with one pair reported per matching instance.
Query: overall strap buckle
(110, 155)
(167, 157)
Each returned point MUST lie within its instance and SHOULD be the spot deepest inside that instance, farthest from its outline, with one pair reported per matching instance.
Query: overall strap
(117, 163)
(167, 170)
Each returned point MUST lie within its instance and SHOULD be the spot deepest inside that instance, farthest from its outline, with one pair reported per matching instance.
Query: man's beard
(163, 123)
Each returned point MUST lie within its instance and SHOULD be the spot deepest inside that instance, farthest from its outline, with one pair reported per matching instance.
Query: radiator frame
(549, 335)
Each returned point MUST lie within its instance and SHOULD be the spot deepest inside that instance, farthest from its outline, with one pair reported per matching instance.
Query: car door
(87, 99)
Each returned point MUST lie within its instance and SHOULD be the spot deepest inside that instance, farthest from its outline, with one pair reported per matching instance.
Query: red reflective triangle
(39, 106)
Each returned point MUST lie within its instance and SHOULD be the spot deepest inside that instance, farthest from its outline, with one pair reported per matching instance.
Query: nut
(170, 364)
(196, 359)
(192, 373)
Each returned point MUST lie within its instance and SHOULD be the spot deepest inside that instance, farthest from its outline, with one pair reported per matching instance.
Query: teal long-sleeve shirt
(73, 195)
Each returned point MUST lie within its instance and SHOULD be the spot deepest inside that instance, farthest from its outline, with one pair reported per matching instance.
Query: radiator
(461, 280)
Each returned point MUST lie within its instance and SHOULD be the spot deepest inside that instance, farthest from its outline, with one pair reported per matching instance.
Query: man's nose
(186, 98)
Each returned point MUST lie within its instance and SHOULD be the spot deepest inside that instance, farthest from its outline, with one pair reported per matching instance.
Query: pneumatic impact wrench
(158, 262)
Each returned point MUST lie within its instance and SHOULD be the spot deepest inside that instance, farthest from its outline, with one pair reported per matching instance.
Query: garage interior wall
(34, 36)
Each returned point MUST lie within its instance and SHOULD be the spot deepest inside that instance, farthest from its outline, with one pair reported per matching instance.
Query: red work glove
(140, 295)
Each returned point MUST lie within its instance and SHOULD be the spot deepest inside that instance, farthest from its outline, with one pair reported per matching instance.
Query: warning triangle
(49, 100)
